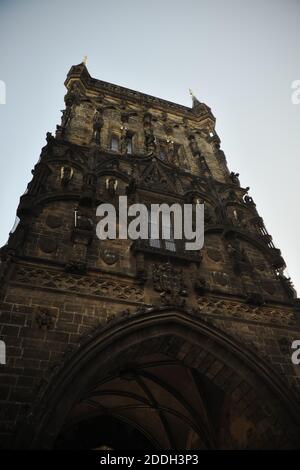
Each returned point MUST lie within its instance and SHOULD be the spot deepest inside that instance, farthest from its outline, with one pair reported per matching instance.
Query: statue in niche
(124, 139)
(97, 125)
(240, 218)
(83, 221)
(194, 145)
(170, 150)
(111, 185)
(150, 141)
(66, 174)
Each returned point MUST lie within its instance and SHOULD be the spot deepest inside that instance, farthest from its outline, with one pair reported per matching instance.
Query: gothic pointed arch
(133, 357)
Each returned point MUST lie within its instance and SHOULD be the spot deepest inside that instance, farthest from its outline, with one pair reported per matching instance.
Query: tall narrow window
(169, 242)
(129, 144)
(152, 227)
(114, 143)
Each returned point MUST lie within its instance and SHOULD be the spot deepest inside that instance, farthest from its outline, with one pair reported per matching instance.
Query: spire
(200, 108)
(194, 98)
(85, 60)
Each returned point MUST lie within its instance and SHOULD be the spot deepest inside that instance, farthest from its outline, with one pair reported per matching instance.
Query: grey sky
(239, 56)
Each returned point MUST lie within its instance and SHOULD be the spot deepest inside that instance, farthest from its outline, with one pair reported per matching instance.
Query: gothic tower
(142, 344)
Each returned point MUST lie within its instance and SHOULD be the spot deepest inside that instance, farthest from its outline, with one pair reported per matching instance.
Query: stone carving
(44, 318)
(194, 145)
(243, 311)
(38, 184)
(249, 201)
(169, 282)
(124, 139)
(111, 185)
(155, 176)
(18, 236)
(109, 257)
(287, 285)
(200, 286)
(83, 221)
(98, 122)
(126, 115)
(72, 99)
(254, 298)
(67, 116)
(235, 178)
(238, 255)
(89, 285)
(48, 245)
(170, 150)
(220, 278)
(74, 266)
(48, 149)
(150, 141)
(214, 254)
(53, 221)
(74, 95)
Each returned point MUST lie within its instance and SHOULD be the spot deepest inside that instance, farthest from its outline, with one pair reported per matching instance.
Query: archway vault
(165, 354)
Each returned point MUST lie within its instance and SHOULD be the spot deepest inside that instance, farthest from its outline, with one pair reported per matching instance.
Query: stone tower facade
(142, 344)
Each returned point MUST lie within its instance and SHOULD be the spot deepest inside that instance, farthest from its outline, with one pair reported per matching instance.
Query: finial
(85, 60)
(196, 102)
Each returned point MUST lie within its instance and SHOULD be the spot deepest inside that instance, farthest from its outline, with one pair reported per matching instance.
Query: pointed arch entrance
(163, 379)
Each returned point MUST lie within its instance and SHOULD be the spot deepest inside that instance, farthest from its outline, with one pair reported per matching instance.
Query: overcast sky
(238, 56)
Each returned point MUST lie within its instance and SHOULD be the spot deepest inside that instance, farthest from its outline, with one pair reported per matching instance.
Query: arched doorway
(164, 379)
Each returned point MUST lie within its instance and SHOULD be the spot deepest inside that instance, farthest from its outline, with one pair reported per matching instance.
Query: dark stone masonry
(122, 344)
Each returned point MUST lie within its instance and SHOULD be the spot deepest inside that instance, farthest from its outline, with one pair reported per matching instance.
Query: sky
(238, 56)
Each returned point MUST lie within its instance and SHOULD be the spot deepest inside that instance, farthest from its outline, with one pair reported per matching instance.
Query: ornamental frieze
(90, 285)
(241, 311)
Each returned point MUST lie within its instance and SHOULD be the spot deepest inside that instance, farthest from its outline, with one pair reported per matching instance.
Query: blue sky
(239, 57)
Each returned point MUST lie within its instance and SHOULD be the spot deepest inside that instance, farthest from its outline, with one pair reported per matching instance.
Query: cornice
(80, 72)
